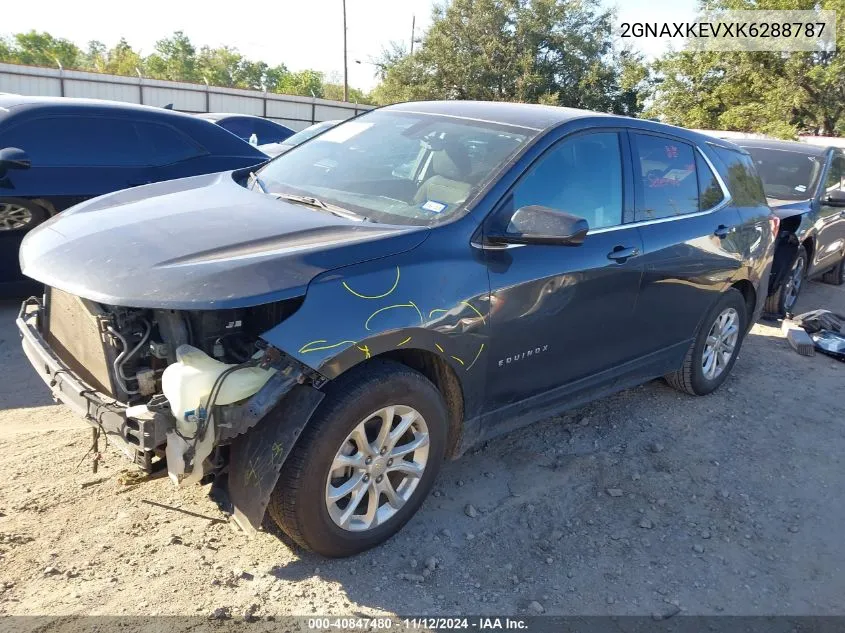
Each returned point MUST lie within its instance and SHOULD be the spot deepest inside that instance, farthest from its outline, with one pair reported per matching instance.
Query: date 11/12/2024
(420, 623)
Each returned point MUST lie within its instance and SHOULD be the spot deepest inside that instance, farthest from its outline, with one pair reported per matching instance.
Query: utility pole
(413, 29)
(345, 68)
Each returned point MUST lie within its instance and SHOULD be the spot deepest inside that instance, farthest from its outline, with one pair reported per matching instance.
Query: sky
(299, 34)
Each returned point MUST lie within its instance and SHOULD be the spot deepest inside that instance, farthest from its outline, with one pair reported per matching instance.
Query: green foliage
(175, 58)
(771, 93)
(538, 51)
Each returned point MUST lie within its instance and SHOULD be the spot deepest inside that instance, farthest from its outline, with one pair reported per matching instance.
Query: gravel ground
(649, 502)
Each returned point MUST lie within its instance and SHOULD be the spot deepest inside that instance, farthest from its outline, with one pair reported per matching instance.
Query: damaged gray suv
(318, 335)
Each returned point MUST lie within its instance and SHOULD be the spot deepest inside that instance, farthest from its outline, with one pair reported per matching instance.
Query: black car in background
(391, 293)
(245, 125)
(56, 152)
(805, 187)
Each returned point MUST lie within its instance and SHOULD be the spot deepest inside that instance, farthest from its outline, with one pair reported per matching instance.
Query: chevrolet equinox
(316, 336)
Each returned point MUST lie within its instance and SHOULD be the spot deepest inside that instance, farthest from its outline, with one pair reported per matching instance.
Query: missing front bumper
(138, 439)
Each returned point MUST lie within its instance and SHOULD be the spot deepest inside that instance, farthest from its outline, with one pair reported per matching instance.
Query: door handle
(621, 254)
(723, 231)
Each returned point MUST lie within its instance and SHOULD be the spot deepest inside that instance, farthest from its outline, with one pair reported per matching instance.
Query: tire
(785, 296)
(835, 275)
(17, 214)
(691, 377)
(300, 503)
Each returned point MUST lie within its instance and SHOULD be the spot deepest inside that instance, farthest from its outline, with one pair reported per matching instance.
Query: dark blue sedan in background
(57, 152)
(244, 126)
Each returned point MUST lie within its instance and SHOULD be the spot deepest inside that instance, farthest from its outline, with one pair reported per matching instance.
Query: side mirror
(13, 158)
(835, 199)
(536, 224)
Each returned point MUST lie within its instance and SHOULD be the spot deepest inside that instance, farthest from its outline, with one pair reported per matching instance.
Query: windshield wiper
(254, 180)
(312, 201)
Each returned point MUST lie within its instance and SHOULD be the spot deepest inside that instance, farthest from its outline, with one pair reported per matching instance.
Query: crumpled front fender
(256, 457)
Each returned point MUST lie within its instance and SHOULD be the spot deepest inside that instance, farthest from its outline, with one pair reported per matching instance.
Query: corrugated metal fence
(295, 112)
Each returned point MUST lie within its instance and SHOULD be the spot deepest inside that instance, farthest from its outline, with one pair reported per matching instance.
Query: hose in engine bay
(126, 354)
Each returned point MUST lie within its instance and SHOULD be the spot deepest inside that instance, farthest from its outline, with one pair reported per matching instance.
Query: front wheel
(713, 353)
(785, 296)
(365, 463)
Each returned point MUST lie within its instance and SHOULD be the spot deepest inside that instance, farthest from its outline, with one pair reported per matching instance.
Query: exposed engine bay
(172, 373)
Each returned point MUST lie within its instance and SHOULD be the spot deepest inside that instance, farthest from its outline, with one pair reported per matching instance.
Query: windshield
(397, 167)
(786, 174)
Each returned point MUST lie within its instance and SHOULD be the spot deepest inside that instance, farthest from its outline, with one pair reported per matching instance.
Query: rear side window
(743, 181)
(238, 126)
(75, 141)
(710, 192)
(165, 145)
(667, 176)
(268, 132)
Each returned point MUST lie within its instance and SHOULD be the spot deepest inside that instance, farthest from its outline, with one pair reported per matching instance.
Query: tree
(552, 51)
(780, 94)
(41, 49)
(122, 59)
(175, 58)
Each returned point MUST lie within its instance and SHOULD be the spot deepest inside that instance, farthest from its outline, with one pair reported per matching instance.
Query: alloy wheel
(720, 345)
(14, 216)
(377, 468)
(793, 284)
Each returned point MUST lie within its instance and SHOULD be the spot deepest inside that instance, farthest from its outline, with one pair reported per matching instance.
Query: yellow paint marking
(422, 320)
(366, 351)
(381, 296)
(430, 314)
(405, 341)
(458, 359)
(278, 449)
(308, 346)
(410, 304)
(476, 357)
(438, 347)
(474, 309)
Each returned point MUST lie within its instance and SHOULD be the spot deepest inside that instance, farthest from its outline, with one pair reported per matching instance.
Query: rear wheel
(835, 275)
(785, 296)
(365, 463)
(17, 214)
(713, 353)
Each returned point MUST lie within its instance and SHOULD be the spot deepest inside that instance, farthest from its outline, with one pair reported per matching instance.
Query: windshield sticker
(344, 131)
(801, 188)
(434, 206)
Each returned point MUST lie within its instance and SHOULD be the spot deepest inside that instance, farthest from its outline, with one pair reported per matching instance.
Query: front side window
(835, 175)
(397, 167)
(581, 176)
(78, 141)
(667, 176)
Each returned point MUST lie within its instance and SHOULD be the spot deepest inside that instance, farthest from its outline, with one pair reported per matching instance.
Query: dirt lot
(649, 502)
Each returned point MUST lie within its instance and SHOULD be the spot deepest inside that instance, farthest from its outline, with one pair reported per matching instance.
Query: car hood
(199, 243)
(788, 208)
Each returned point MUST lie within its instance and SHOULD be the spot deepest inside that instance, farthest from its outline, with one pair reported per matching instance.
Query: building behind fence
(292, 111)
